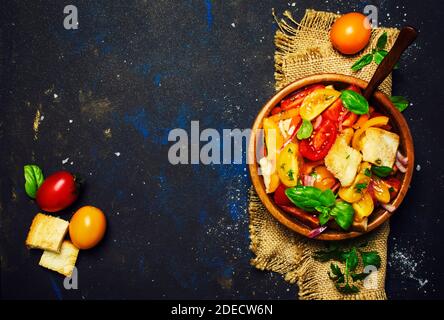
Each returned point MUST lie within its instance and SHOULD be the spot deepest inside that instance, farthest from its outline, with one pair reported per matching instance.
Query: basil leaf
(371, 258)
(336, 273)
(400, 102)
(354, 102)
(367, 172)
(382, 41)
(305, 197)
(379, 56)
(381, 171)
(361, 63)
(343, 213)
(359, 276)
(352, 259)
(324, 217)
(33, 179)
(347, 289)
(328, 198)
(305, 130)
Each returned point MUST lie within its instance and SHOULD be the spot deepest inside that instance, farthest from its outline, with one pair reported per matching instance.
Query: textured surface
(109, 93)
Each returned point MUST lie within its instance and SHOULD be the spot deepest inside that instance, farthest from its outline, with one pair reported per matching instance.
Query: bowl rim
(406, 141)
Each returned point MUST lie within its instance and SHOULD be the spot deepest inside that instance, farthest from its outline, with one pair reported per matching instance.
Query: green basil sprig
(350, 257)
(400, 102)
(33, 179)
(354, 102)
(377, 54)
(381, 171)
(305, 130)
(313, 199)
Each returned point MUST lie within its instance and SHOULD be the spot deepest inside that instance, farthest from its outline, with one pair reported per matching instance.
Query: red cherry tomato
(317, 146)
(280, 197)
(57, 192)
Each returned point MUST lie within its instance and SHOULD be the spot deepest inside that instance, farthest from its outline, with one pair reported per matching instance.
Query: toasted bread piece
(46, 233)
(379, 146)
(62, 262)
(343, 161)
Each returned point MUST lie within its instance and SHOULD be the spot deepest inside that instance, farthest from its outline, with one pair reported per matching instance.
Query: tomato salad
(330, 158)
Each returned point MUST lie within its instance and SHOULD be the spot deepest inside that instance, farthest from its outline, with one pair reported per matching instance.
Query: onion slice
(399, 165)
(401, 158)
(309, 180)
(335, 187)
(388, 207)
(315, 232)
(317, 122)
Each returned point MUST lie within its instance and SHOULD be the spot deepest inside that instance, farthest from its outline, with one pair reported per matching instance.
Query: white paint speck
(71, 163)
(418, 167)
(56, 95)
(233, 25)
(71, 121)
(117, 154)
(65, 161)
(42, 117)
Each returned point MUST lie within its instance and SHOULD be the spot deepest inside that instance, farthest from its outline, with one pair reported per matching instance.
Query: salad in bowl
(332, 164)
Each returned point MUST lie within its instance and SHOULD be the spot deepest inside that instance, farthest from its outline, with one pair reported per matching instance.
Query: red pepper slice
(317, 146)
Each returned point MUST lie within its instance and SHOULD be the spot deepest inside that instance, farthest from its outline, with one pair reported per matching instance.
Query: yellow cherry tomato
(324, 179)
(380, 190)
(364, 207)
(288, 166)
(87, 227)
(355, 192)
(316, 102)
(350, 33)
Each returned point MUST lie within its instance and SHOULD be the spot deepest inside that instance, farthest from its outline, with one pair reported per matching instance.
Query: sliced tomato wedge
(296, 99)
(317, 146)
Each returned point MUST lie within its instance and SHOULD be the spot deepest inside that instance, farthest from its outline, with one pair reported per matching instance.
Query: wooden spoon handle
(405, 38)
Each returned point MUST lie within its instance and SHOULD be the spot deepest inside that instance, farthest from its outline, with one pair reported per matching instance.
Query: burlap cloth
(303, 48)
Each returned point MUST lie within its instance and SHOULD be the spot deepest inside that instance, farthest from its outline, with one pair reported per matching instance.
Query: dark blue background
(140, 68)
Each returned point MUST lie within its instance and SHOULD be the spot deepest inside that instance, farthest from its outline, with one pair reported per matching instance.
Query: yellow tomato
(381, 191)
(364, 207)
(350, 33)
(324, 179)
(316, 102)
(354, 193)
(87, 227)
(273, 138)
(287, 165)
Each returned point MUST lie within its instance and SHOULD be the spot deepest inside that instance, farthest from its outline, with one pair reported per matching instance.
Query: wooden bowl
(383, 105)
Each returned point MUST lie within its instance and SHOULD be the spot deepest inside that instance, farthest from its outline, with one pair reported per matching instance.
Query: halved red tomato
(317, 146)
(295, 100)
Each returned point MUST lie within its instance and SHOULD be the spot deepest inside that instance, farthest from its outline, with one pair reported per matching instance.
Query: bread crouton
(343, 161)
(46, 232)
(62, 262)
(379, 146)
